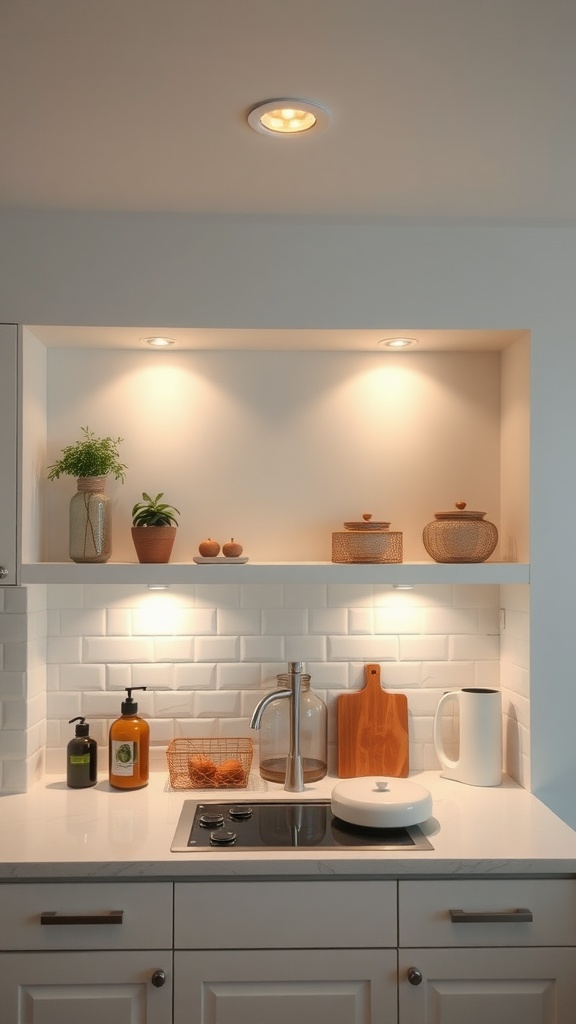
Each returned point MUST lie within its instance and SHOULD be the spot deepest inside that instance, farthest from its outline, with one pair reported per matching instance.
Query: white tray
(219, 560)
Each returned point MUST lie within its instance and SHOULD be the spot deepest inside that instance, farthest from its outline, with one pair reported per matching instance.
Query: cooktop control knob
(241, 812)
(211, 820)
(223, 838)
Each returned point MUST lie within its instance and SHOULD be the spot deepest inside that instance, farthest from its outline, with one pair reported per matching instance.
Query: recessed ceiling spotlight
(398, 342)
(158, 342)
(287, 117)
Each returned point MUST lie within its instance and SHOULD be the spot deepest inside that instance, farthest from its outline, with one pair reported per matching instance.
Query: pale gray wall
(67, 268)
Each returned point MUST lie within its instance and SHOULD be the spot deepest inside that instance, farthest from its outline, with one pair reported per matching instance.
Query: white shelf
(277, 572)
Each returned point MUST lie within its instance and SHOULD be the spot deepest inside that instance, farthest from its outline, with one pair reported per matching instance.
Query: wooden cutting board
(372, 731)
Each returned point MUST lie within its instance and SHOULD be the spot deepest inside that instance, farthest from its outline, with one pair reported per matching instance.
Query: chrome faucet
(294, 772)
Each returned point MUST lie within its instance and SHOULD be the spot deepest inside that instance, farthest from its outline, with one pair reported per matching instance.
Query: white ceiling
(440, 109)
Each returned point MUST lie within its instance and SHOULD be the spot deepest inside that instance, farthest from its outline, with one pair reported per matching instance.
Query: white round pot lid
(381, 802)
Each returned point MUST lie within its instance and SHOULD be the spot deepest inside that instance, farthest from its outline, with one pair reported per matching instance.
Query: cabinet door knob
(3, 572)
(414, 976)
(158, 979)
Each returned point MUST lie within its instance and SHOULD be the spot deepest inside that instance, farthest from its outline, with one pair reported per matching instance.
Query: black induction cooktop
(282, 825)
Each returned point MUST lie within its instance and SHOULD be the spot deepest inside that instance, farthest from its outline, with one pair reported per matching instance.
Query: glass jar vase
(90, 527)
(275, 734)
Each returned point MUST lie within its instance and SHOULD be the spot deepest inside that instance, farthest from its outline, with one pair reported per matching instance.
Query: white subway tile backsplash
(475, 647)
(350, 596)
(82, 677)
(82, 622)
(118, 622)
(301, 596)
(118, 677)
(239, 621)
(406, 619)
(190, 676)
(262, 596)
(217, 648)
(13, 628)
(238, 676)
(63, 649)
(423, 648)
(153, 677)
(448, 675)
(12, 685)
(284, 621)
(112, 648)
(449, 620)
(218, 595)
(305, 648)
(363, 648)
(207, 653)
(216, 704)
(328, 620)
(174, 648)
(262, 648)
(360, 620)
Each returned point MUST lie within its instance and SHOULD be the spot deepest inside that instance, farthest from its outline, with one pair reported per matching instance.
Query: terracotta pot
(154, 543)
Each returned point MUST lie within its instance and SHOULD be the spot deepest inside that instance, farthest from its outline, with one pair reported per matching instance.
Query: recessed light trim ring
(287, 116)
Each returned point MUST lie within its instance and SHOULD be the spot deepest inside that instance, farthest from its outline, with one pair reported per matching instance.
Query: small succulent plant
(154, 512)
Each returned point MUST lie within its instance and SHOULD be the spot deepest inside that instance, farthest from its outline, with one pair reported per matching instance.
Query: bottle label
(124, 757)
(79, 759)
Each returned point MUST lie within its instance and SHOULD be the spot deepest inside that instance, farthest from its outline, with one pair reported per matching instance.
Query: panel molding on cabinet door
(499, 986)
(85, 988)
(286, 986)
(8, 453)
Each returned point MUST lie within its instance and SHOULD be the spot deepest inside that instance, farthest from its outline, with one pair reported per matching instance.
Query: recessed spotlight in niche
(398, 342)
(158, 342)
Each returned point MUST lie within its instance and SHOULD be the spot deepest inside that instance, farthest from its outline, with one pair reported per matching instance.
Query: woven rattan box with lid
(460, 535)
(367, 541)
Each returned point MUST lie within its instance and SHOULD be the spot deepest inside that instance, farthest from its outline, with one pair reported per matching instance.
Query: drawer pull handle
(106, 917)
(491, 916)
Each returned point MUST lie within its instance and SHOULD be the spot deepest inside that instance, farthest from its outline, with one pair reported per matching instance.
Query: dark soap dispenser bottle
(128, 747)
(81, 757)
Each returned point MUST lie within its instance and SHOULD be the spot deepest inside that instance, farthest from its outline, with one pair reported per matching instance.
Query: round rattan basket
(460, 535)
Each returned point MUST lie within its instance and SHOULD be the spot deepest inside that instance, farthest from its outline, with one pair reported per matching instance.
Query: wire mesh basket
(209, 763)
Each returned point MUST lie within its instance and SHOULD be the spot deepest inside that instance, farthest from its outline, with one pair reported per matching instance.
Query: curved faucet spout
(256, 719)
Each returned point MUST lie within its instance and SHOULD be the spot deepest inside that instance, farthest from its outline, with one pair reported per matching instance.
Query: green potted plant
(154, 525)
(91, 460)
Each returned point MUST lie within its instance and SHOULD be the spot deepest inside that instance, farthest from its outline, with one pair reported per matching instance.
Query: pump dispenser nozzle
(129, 706)
(83, 729)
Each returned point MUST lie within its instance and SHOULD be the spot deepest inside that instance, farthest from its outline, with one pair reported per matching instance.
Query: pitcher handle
(438, 745)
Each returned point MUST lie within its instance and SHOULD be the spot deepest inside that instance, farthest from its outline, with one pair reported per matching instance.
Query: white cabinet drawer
(284, 915)
(429, 912)
(121, 915)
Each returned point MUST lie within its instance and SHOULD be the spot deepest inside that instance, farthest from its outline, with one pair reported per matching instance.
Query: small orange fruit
(232, 549)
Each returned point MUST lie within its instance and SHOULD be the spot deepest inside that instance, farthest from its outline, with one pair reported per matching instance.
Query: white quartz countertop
(54, 832)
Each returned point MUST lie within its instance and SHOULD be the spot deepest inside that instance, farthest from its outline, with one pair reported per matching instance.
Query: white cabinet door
(85, 988)
(488, 986)
(285, 986)
(8, 452)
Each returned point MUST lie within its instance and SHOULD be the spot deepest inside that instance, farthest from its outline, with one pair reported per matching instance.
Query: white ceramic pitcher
(479, 760)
